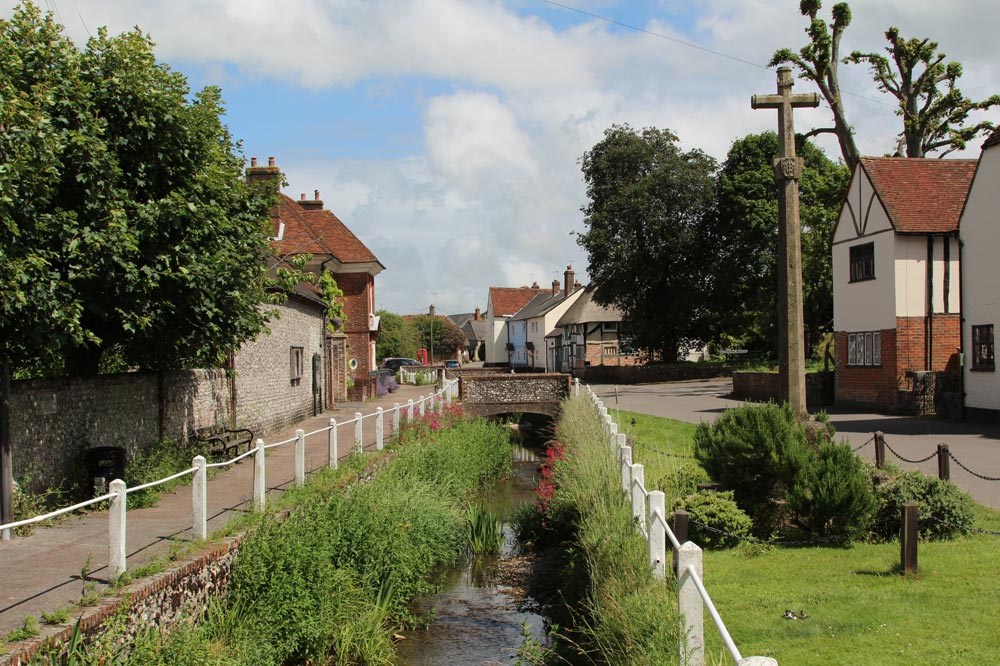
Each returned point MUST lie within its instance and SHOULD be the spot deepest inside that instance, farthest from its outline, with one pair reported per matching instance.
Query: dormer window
(863, 262)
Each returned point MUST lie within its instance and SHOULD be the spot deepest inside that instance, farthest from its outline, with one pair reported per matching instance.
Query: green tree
(649, 206)
(129, 225)
(817, 61)
(397, 338)
(746, 237)
(934, 110)
(447, 336)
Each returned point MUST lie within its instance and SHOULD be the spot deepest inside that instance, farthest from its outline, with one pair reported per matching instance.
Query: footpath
(50, 568)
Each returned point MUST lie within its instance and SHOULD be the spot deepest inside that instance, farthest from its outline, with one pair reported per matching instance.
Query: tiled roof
(921, 196)
(508, 300)
(345, 245)
(993, 139)
(316, 232)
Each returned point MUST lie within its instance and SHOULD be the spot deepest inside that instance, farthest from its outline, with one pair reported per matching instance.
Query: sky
(447, 133)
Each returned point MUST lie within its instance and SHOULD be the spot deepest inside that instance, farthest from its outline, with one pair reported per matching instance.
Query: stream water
(477, 618)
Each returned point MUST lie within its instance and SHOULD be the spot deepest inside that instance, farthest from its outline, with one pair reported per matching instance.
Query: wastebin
(104, 464)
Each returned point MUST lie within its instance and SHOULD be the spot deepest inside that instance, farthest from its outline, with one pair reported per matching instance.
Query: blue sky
(446, 133)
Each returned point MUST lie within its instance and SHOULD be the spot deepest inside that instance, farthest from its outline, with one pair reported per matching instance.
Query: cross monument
(787, 170)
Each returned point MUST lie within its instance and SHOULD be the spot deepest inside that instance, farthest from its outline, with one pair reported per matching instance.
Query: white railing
(199, 469)
(648, 508)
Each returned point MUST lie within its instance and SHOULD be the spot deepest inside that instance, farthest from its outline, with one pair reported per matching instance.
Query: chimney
(555, 288)
(270, 174)
(312, 204)
(478, 315)
(534, 285)
(569, 279)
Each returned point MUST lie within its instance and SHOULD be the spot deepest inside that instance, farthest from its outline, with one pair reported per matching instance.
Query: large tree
(934, 110)
(818, 61)
(746, 237)
(649, 205)
(447, 337)
(396, 338)
(129, 227)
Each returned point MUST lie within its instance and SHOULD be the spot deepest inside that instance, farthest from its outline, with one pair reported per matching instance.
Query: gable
(923, 196)
(506, 301)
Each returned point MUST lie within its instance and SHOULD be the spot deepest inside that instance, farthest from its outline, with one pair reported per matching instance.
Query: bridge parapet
(503, 393)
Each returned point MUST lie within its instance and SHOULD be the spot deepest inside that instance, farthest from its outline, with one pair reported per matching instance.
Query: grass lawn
(860, 611)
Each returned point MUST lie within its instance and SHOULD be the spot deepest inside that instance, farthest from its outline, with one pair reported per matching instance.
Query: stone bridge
(491, 394)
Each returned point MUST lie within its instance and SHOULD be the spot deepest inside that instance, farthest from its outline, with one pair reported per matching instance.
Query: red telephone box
(422, 356)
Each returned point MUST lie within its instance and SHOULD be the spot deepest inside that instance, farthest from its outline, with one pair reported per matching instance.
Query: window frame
(983, 362)
(861, 261)
(864, 349)
(296, 364)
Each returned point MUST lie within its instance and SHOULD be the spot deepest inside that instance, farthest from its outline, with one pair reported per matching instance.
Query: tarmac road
(974, 444)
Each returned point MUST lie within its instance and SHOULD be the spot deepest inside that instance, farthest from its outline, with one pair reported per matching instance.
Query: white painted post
(638, 499)
(626, 452)
(613, 426)
(448, 393)
(657, 535)
(607, 423)
(757, 661)
(395, 420)
(423, 406)
(691, 605)
(379, 428)
(433, 395)
(576, 386)
(300, 458)
(116, 530)
(409, 409)
(199, 498)
(259, 489)
(331, 446)
(358, 444)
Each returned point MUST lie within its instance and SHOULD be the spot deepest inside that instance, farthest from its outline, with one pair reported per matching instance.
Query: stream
(476, 618)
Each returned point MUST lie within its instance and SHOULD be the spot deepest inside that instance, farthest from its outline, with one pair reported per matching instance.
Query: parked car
(452, 363)
(395, 364)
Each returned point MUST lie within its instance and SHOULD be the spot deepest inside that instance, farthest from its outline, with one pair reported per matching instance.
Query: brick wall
(595, 357)
(357, 288)
(868, 385)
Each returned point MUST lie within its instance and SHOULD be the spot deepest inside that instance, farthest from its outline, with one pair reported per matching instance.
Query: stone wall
(487, 389)
(643, 374)
(764, 386)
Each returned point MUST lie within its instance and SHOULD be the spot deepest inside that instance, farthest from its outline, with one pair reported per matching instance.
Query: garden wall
(764, 386)
(644, 374)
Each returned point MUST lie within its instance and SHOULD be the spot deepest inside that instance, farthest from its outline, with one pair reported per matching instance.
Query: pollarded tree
(649, 205)
(934, 110)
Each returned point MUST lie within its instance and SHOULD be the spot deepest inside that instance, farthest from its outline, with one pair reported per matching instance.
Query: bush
(936, 500)
(682, 480)
(757, 451)
(832, 497)
(718, 511)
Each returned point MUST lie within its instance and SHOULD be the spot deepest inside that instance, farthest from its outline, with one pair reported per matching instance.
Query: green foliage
(933, 118)
(757, 451)
(447, 336)
(833, 495)
(159, 461)
(937, 501)
(681, 480)
(397, 339)
(29, 629)
(128, 223)
(649, 210)
(333, 295)
(485, 532)
(718, 511)
(60, 616)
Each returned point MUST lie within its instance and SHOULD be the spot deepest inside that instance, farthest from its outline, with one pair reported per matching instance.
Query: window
(295, 365)
(609, 327)
(864, 348)
(982, 348)
(863, 262)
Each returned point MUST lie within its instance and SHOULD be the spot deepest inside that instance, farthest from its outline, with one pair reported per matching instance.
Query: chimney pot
(270, 161)
(316, 195)
(253, 161)
(302, 197)
(478, 315)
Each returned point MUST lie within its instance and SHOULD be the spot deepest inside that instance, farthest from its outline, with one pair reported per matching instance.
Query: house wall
(911, 276)
(496, 337)
(546, 324)
(517, 335)
(980, 252)
(359, 306)
(874, 386)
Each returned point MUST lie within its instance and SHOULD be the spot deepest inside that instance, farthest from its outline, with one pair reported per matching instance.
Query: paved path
(42, 572)
(976, 445)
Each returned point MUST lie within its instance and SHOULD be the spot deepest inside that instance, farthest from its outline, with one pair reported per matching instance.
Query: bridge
(496, 393)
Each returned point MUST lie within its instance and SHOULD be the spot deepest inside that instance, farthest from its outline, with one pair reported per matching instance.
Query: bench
(223, 442)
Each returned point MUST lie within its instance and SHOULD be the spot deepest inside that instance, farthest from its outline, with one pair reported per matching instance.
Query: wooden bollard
(944, 462)
(680, 530)
(908, 538)
(880, 450)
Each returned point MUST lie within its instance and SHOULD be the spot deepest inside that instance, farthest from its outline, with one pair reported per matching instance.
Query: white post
(332, 445)
(259, 489)
(576, 386)
(409, 410)
(358, 444)
(447, 393)
(638, 499)
(199, 499)
(423, 406)
(116, 530)
(300, 458)
(613, 426)
(395, 420)
(691, 605)
(657, 535)
(757, 661)
(607, 422)
(626, 452)
(379, 429)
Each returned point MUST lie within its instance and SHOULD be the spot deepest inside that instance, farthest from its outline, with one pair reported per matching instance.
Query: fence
(648, 508)
(199, 467)
(943, 454)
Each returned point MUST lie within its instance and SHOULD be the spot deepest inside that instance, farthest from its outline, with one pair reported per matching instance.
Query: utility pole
(434, 294)
(787, 171)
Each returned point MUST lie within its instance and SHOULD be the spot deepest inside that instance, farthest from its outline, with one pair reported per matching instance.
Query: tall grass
(485, 532)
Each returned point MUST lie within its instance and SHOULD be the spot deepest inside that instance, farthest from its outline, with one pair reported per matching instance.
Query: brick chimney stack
(534, 285)
(312, 204)
(270, 174)
(555, 288)
(569, 278)
(478, 315)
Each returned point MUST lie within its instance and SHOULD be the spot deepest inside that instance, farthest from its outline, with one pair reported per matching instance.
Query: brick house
(527, 329)
(503, 303)
(305, 227)
(980, 306)
(586, 334)
(896, 281)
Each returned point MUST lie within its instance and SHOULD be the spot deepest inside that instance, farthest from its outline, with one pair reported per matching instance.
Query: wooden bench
(226, 443)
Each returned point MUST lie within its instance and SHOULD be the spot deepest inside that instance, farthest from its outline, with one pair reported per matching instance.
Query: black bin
(105, 461)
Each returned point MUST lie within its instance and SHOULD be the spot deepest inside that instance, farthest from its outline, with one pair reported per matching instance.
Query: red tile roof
(346, 246)
(921, 196)
(508, 300)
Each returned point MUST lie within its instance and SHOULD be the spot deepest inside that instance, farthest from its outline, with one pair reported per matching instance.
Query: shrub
(832, 497)
(718, 511)
(937, 501)
(757, 451)
(681, 480)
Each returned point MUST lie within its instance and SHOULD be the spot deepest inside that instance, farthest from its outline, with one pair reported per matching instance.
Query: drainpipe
(929, 338)
(961, 328)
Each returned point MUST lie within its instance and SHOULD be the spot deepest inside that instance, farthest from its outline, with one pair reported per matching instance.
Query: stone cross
(787, 170)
